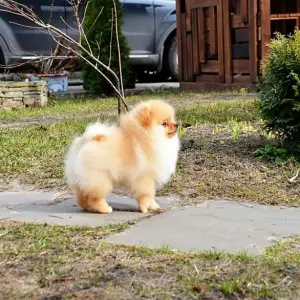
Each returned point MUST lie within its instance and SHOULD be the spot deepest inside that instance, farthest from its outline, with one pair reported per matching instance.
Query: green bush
(98, 30)
(273, 153)
(279, 95)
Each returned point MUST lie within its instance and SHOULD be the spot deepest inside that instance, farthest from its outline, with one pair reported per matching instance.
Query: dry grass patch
(218, 165)
(216, 162)
(55, 262)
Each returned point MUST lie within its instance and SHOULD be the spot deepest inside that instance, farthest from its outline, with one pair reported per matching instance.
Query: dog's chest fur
(166, 153)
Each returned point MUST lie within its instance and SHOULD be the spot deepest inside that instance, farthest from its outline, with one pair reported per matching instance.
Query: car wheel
(173, 59)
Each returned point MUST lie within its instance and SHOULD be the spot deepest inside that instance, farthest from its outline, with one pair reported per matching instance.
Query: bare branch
(72, 46)
(51, 11)
(119, 52)
(95, 21)
(68, 25)
(111, 36)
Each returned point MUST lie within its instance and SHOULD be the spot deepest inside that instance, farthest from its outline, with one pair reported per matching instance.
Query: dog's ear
(144, 116)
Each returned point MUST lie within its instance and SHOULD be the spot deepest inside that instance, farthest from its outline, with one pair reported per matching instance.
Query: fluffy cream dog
(139, 155)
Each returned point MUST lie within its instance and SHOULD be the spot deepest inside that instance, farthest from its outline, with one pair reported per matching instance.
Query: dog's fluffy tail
(70, 161)
(95, 132)
(98, 132)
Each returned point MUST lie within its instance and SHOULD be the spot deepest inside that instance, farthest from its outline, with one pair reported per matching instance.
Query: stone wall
(23, 94)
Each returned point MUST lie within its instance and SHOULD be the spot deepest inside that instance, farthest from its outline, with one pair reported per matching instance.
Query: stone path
(215, 225)
(212, 225)
(42, 207)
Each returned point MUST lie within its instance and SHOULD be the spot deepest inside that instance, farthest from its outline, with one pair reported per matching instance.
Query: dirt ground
(217, 161)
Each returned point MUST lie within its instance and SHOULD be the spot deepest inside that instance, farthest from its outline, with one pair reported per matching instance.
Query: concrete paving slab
(75, 91)
(214, 225)
(41, 207)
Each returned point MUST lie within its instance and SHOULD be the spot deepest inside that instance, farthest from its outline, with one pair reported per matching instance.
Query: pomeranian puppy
(139, 155)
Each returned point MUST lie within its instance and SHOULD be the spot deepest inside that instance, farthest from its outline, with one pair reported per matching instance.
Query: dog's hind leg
(100, 205)
(94, 199)
(82, 199)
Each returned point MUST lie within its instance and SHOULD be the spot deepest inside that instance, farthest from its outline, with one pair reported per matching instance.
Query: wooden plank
(253, 54)
(189, 46)
(188, 15)
(196, 64)
(298, 6)
(207, 23)
(201, 35)
(203, 3)
(244, 10)
(237, 22)
(284, 18)
(242, 79)
(215, 86)
(241, 66)
(265, 26)
(221, 69)
(208, 78)
(227, 41)
(236, 7)
(211, 66)
(179, 40)
(184, 50)
(212, 31)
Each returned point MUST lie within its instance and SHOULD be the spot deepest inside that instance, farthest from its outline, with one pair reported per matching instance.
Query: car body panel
(147, 25)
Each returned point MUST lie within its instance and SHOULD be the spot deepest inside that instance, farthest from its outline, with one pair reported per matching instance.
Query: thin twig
(111, 36)
(196, 269)
(64, 41)
(119, 57)
(95, 21)
(294, 178)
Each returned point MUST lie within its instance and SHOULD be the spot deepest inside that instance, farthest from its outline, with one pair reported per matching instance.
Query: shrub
(279, 95)
(273, 153)
(98, 30)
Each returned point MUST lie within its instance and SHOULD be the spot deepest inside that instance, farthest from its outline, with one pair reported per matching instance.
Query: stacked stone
(23, 94)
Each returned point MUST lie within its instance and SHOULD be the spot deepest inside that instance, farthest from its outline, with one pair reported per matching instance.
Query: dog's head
(158, 117)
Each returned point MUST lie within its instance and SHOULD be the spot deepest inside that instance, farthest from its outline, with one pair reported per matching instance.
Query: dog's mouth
(172, 133)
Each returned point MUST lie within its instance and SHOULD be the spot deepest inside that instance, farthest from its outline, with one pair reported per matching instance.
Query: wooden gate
(218, 43)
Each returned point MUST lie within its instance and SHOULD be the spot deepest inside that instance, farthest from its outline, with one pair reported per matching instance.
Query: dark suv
(149, 26)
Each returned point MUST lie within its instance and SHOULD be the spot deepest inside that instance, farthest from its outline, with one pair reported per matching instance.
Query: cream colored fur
(139, 156)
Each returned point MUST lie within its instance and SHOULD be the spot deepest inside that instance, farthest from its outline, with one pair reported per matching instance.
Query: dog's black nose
(176, 125)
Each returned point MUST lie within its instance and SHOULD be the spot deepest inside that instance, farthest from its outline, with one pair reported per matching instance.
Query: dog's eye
(165, 124)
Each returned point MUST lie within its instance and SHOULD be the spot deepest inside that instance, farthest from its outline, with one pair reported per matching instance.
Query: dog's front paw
(154, 206)
(143, 208)
(108, 210)
(104, 208)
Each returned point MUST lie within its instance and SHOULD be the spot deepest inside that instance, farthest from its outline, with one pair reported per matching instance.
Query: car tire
(173, 59)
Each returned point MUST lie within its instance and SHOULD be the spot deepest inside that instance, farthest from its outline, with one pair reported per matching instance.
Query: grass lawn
(54, 262)
(82, 107)
(216, 161)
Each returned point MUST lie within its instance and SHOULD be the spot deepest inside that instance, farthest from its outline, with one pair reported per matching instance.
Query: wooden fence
(221, 42)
